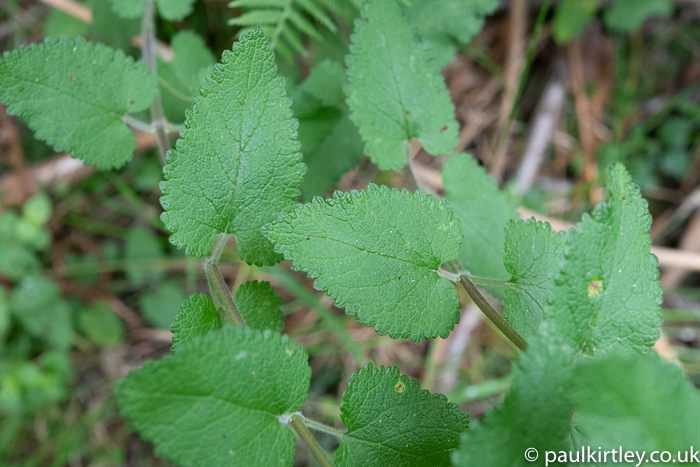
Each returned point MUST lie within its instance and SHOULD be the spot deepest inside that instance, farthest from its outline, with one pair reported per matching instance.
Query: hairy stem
(487, 309)
(137, 124)
(311, 443)
(314, 425)
(148, 49)
(221, 294)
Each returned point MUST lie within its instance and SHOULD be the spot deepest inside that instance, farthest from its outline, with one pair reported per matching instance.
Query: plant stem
(311, 443)
(487, 309)
(314, 425)
(221, 294)
(148, 49)
(486, 281)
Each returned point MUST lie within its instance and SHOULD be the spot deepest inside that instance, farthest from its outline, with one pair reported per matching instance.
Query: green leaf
(63, 24)
(483, 210)
(447, 23)
(395, 92)
(637, 402)
(197, 317)
(37, 211)
(628, 15)
(535, 413)
(161, 307)
(260, 306)
(330, 142)
(325, 83)
(607, 296)
(90, 88)
(217, 401)
(533, 256)
(38, 306)
(390, 421)
(4, 315)
(141, 249)
(17, 261)
(286, 21)
(173, 10)
(128, 8)
(376, 252)
(572, 17)
(111, 29)
(237, 163)
(101, 325)
(181, 78)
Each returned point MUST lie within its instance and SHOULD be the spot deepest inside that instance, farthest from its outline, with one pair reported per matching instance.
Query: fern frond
(287, 22)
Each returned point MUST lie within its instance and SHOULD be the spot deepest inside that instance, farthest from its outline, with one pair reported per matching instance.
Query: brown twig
(542, 128)
(71, 8)
(515, 63)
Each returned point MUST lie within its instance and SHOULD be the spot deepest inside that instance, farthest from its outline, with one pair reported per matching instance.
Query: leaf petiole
(316, 450)
(486, 307)
(220, 292)
(314, 425)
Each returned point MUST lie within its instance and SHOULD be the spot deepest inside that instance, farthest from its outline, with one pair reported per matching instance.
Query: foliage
(229, 387)
(285, 22)
(329, 141)
(181, 77)
(572, 16)
(391, 421)
(483, 210)
(220, 189)
(169, 9)
(395, 92)
(383, 272)
(586, 301)
(91, 87)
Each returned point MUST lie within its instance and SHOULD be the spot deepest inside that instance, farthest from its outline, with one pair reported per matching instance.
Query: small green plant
(582, 306)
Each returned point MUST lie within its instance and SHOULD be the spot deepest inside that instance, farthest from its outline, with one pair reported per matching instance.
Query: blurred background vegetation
(548, 93)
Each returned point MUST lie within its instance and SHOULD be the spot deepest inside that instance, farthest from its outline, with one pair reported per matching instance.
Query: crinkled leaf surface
(533, 256)
(483, 210)
(237, 163)
(73, 94)
(376, 253)
(607, 295)
(181, 78)
(535, 413)
(394, 90)
(447, 23)
(260, 306)
(330, 142)
(638, 402)
(390, 421)
(216, 401)
(197, 317)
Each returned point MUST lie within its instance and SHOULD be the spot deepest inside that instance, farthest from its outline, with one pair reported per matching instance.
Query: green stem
(314, 425)
(148, 52)
(486, 281)
(311, 443)
(221, 294)
(487, 309)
